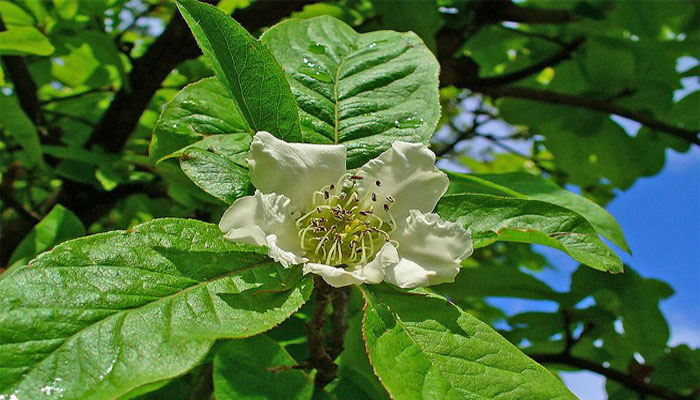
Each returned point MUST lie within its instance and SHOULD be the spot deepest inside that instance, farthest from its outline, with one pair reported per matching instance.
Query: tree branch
(175, 45)
(626, 380)
(25, 87)
(547, 96)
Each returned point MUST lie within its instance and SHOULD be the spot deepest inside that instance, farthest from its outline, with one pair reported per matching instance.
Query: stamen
(342, 228)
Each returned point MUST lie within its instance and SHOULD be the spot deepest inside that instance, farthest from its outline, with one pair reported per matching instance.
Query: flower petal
(334, 276)
(430, 249)
(265, 220)
(373, 271)
(295, 170)
(406, 172)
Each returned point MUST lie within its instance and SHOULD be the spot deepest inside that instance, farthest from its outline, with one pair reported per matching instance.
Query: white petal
(430, 249)
(336, 277)
(407, 173)
(265, 220)
(295, 170)
(282, 256)
(373, 272)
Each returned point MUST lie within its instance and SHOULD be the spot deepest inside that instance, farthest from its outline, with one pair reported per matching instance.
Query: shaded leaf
(254, 376)
(215, 174)
(197, 111)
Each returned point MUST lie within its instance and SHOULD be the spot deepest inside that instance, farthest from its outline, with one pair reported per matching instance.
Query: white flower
(366, 227)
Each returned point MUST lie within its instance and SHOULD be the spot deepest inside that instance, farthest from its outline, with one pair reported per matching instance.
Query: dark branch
(76, 95)
(175, 45)
(626, 380)
(591, 104)
(25, 87)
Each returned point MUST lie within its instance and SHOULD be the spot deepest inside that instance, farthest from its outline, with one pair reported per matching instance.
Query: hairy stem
(318, 356)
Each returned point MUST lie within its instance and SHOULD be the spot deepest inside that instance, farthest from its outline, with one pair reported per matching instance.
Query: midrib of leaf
(336, 83)
(123, 313)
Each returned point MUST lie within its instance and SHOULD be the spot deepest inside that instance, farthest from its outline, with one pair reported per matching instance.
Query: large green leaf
(422, 346)
(363, 90)
(59, 225)
(99, 316)
(493, 218)
(22, 40)
(254, 376)
(196, 113)
(521, 184)
(246, 68)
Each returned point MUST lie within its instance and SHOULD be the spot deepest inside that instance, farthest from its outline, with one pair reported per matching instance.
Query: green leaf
(494, 218)
(59, 225)
(22, 40)
(99, 316)
(246, 68)
(215, 174)
(422, 346)
(201, 109)
(524, 185)
(16, 124)
(363, 90)
(253, 378)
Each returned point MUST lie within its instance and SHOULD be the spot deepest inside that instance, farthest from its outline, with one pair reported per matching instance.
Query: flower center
(343, 229)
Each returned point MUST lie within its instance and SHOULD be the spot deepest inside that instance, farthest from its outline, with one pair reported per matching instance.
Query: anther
(332, 186)
(356, 177)
(374, 196)
(391, 199)
(378, 183)
(386, 207)
(326, 195)
(318, 210)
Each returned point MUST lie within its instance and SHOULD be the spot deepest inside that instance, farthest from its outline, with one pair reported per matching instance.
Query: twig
(534, 35)
(591, 104)
(76, 118)
(76, 95)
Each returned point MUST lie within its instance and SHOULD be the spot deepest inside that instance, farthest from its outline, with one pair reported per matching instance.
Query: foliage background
(83, 88)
